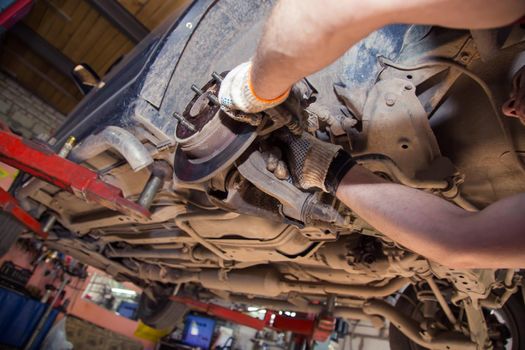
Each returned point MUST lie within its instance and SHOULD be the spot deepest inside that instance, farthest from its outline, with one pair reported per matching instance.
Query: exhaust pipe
(122, 141)
(267, 282)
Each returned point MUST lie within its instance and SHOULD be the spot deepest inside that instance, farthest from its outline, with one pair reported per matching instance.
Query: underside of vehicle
(417, 105)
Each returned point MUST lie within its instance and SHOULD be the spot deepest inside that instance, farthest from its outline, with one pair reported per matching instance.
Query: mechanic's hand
(236, 92)
(515, 106)
(314, 163)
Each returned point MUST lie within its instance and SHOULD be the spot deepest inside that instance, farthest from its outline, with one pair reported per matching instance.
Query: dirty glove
(314, 163)
(236, 92)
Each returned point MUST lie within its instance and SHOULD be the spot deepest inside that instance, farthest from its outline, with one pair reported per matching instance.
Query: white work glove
(236, 92)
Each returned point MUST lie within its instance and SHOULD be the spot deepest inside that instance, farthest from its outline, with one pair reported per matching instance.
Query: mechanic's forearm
(436, 228)
(303, 36)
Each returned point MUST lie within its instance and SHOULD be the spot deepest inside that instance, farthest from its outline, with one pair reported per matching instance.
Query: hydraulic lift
(318, 329)
(41, 162)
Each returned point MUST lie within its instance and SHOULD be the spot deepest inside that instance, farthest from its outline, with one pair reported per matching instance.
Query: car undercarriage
(422, 112)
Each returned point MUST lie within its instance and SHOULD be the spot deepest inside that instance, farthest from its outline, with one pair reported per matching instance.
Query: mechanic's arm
(303, 36)
(435, 228)
(420, 221)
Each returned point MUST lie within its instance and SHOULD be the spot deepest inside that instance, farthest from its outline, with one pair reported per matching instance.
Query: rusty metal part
(253, 119)
(213, 99)
(193, 166)
(441, 300)
(196, 89)
(464, 203)
(510, 283)
(216, 143)
(477, 324)
(80, 181)
(298, 205)
(118, 139)
(395, 124)
(150, 190)
(268, 282)
(160, 171)
(411, 329)
(390, 287)
(454, 195)
(373, 160)
(256, 281)
(184, 122)
(486, 42)
(218, 77)
(182, 221)
(165, 275)
(148, 253)
(450, 191)
(441, 62)
(199, 111)
(244, 198)
(475, 284)
(157, 236)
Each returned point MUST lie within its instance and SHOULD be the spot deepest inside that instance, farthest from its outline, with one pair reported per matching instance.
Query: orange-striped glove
(236, 92)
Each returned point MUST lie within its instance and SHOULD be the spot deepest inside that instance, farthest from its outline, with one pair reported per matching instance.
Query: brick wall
(26, 113)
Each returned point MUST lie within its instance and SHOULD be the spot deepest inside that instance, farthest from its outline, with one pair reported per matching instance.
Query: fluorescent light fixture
(123, 291)
(252, 308)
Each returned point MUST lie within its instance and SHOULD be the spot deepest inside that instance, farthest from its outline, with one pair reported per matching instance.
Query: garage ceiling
(56, 34)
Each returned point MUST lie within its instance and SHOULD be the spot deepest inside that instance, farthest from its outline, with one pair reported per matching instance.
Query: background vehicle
(402, 101)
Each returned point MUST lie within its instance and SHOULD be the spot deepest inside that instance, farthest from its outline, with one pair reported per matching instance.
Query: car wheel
(161, 313)
(509, 323)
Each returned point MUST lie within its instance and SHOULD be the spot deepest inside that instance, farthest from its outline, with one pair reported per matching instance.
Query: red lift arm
(42, 163)
(317, 329)
(9, 204)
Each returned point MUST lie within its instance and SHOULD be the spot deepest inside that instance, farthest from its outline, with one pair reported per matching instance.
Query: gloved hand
(314, 163)
(236, 92)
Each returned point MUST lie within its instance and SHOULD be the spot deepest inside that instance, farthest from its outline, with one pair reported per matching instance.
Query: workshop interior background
(38, 54)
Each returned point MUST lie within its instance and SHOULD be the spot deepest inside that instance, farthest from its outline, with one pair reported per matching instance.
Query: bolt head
(390, 100)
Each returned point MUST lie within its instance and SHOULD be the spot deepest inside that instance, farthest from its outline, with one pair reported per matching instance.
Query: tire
(513, 312)
(397, 340)
(163, 313)
(10, 229)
